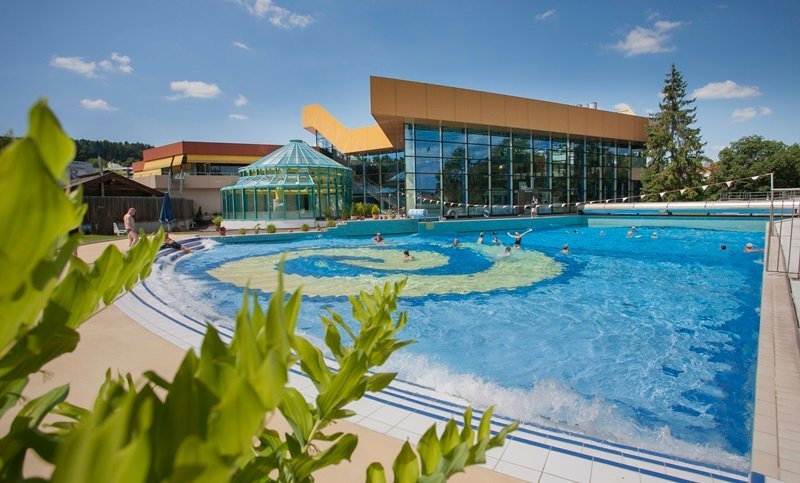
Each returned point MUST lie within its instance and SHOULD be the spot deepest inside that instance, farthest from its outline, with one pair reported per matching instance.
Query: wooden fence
(104, 211)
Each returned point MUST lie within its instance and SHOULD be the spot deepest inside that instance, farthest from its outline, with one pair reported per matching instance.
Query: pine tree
(674, 148)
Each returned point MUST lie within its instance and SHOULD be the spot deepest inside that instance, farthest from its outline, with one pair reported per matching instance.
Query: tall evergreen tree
(674, 148)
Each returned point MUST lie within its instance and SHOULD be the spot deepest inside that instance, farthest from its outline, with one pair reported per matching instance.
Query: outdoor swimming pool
(649, 342)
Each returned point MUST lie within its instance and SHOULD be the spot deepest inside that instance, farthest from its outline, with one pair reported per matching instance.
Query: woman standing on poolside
(517, 236)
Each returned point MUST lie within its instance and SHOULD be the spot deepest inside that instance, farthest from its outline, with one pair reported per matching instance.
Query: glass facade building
(460, 152)
(294, 182)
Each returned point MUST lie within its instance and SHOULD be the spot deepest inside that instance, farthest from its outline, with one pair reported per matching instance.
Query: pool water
(646, 341)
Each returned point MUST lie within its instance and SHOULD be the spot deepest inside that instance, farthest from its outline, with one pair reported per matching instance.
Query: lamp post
(102, 185)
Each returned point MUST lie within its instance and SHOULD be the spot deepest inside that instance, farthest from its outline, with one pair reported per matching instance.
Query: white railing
(784, 232)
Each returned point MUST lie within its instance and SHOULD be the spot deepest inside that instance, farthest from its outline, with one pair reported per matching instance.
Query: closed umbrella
(166, 210)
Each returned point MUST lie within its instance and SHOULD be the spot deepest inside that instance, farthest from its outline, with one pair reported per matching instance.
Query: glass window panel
(541, 162)
(501, 153)
(453, 134)
(522, 140)
(559, 144)
(427, 183)
(478, 188)
(637, 149)
(541, 143)
(409, 131)
(559, 169)
(477, 136)
(424, 132)
(609, 147)
(454, 150)
(594, 146)
(499, 168)
(427, 148)
(427, 165)
(500, 138)
(477, 152)
(622, 148)
(409, 147)
(637, 162)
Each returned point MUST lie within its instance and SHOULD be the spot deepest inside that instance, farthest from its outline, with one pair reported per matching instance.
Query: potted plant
(257, 227)
(345, 214)
(217, 221)
(376, 212)
(304, 227)
(331, 223)
(271, 228)
(358, 211)
(242, 231)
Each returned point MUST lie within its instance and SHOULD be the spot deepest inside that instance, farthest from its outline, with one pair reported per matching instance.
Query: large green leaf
(429, 451)
(56, 148)
(340, 450)
(375, 473)
(298, 414)
(405, 466)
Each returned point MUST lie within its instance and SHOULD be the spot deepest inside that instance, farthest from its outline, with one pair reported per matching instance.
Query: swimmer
(505, 253)
(407, 256)
(723, 247)
(495, 240)
(654, 235)
(480, 239)
(749, 248)
(630, 234)
(602, 233)
(378, 239)
(575, 231)
(565, 249)
(455, 242)
(517, 236)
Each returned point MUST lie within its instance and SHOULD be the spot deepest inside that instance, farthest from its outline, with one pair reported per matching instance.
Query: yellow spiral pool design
(521, 268)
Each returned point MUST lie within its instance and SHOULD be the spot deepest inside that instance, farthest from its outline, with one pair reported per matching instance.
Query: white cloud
(765, 111)
(624, 108)
(240, 100)
(241, 45)
(277, 16)
(97, 105)
(642, 40)
(239, 117)
(116, 63)
(725, 90)
(546, 15)
(123, 62)
(75, 64)
(744, 114)
(199, 89)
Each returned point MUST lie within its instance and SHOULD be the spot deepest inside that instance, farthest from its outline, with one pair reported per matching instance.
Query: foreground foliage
(212, 420)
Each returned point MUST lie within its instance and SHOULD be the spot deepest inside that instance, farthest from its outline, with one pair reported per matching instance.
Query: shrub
(304, 227)
(331, 223)
(358, 209)
(271, 228)
(376, 210)
(345, 214)
(257, 228)
(242, 231)
(217, 221)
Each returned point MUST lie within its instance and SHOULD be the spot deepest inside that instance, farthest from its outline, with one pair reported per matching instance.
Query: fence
(104, 211)
(784, 232)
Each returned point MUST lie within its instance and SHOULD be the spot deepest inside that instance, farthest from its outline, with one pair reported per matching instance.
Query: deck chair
(119, 231)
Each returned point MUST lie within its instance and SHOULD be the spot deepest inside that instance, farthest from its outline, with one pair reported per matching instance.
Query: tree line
(124, 153)
(676, 160)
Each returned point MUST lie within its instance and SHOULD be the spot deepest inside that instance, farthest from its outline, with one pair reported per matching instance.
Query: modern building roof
(296, 154)
(395, 102)
(207, 148)
(112, 185)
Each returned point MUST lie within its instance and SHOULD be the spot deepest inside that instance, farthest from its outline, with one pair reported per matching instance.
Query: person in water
(378, 239)
(517, 236)
(407, 256)
(480, 239)
(495, 240)
(565, 249)
(455, 242)
(170, 243)
(749, 248)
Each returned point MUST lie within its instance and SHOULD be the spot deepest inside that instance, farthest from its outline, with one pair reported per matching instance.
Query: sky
(159, 71)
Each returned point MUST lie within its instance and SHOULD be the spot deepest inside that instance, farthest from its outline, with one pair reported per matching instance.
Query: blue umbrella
(166, 210)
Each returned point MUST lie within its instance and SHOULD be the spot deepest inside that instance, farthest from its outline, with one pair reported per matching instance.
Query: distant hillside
(123, 153)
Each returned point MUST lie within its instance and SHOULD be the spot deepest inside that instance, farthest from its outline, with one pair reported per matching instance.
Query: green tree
(210, 420)
(674, 147)
(752, 156)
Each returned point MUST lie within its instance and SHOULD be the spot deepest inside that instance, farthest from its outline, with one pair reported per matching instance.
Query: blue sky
(240, 70)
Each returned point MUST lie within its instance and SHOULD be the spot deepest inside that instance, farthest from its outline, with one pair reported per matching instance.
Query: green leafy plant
(217, 221)
(271, 228)
(242, 231)
(330, 223)
(211, 420)
(376, 211)
(358, 209)
(304, 227)
(345, 214)
(257, 228)
(47, 292)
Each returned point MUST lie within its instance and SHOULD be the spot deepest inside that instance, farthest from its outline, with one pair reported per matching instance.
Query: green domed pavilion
(293, 182)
